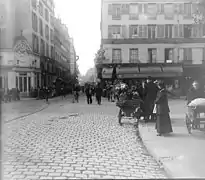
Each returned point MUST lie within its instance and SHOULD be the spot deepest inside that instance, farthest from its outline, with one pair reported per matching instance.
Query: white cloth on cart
(199, 102)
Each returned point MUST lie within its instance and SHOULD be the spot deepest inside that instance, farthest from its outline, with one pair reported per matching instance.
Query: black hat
(149, 78)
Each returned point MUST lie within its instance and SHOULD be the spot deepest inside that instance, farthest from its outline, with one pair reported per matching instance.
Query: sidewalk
(181, 154)
(24, 107)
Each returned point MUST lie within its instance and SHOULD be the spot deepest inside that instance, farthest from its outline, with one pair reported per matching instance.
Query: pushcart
(129, 109)
(195, 119)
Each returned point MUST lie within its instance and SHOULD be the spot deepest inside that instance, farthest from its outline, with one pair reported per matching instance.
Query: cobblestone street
(54, 144)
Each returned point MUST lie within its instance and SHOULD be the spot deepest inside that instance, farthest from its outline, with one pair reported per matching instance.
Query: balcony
(152, 41)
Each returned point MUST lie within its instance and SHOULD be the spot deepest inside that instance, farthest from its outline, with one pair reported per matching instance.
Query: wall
(107, 19)
(197, 52)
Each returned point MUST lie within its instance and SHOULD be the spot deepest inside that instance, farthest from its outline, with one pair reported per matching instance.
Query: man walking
(88, 92)
(98, 93)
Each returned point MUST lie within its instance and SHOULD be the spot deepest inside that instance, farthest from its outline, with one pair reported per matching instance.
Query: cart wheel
(188, 124)
(120, 117)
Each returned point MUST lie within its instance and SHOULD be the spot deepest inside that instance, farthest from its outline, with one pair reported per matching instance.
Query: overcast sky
(83, 21)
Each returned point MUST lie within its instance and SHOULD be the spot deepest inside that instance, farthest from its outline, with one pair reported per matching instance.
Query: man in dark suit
(151, 90)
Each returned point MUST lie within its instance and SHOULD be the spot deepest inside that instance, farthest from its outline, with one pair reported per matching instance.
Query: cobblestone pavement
(53, 145)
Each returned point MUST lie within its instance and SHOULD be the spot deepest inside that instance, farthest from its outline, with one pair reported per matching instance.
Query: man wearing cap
(151, 90)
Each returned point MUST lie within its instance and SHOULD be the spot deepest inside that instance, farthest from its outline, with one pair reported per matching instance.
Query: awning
(127, 70)
(176, 71)
(107, 73)
(154, 69)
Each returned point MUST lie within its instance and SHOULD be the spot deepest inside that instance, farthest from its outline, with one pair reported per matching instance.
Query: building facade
(151, 38)
(27, 49)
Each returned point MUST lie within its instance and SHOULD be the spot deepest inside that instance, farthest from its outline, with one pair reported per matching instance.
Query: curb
(36, 111)
(154, 155)
(28, 114)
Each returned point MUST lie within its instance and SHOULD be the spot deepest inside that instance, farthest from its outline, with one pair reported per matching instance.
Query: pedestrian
(98, 93)
(46, 93)
(163, 122)
(151, 90)
(62, 92)
(88, 92)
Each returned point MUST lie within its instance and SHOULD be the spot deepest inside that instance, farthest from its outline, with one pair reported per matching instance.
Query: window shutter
(145, 8)
(162, 8)
(109, 32)
(181, 8)
(140, 8)
(176, 8)
(158, 8)
(176, 30)
(130, 31)
(110, 9)
(190, 53)
(124, 32)
(125, 9)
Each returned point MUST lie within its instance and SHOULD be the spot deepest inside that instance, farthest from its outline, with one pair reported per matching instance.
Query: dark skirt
(163, 124)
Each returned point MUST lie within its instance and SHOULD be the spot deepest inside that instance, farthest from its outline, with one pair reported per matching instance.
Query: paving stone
(89, 146)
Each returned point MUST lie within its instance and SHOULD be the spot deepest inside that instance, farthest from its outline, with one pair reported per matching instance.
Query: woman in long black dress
(163, 123)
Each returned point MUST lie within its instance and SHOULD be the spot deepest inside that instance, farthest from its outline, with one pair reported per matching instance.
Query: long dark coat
(163, 123)
(151, 90)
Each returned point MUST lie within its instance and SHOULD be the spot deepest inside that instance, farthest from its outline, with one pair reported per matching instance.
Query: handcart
(129, 109)
(195, 119)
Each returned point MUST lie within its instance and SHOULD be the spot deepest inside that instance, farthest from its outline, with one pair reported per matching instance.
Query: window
(151, 31)
(187, 30)
(116, 11)
(178, 30)
(116, 56)
(134, 56)
(35, 44)
(197, 30)
(34, 22)
(143, 31)
(114, 32)
(187, 10)
(169, 55)
(151, 10)
(47, 50)
(169, 11)
(168, 30)
(46, 15)
(42, 47)
(134, 11)
(41, 26)
(40, 8)
(47, 32)
(152, 54)
(133, 31)
(160, 31)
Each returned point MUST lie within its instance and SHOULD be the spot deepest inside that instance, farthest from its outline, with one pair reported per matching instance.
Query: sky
(83, 21)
